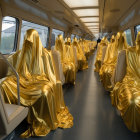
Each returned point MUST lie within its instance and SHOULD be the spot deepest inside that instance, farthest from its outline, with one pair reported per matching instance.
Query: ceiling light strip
(81, 3)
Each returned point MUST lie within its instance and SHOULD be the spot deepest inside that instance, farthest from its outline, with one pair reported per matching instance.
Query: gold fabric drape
(126, 94)
(98, 61)
(67, 59)
(86, 48)
(82, 62)
(39, 89)
(109, 64)
(92, 45)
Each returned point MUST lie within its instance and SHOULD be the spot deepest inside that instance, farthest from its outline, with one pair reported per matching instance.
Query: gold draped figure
(110, 60)
(39, 90)
(82, 62)
(72, 51)
(98, 61)
(86, 48)
(92, 45)
(67, 59)
(126, 94)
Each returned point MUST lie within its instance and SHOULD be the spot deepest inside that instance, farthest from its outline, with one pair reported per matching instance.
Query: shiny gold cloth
(67, 59)
(126, 94)
(98, 61)
(86, 49)
(92, 45)
(82, 62)
(39, 89)
(110, 60)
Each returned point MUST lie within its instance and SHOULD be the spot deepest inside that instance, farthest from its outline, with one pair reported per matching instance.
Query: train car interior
(70, 69)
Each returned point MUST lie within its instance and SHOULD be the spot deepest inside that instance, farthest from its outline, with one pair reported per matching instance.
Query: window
(77, 37)
(137, 29)
(128, 37)
(72, 37)
(55, 33)
(43, 32)
(8, 35)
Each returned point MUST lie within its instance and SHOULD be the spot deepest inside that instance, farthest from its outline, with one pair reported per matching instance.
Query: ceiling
(111, 13)
(115, 11)
(105, 15)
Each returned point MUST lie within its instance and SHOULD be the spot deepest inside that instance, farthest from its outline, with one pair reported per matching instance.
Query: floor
(94, 116)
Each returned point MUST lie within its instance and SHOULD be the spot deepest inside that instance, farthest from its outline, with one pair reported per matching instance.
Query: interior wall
(0, 22)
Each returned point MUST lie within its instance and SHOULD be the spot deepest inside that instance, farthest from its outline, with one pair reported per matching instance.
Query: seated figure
(86, 49)
(67, 59)
(99, 55)
(92, 45)
(39, 90)
(82, 62)
(109, 64)
(73, 51)
(126, 93)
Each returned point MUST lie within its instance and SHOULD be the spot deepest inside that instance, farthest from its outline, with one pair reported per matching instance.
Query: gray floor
(94, 116)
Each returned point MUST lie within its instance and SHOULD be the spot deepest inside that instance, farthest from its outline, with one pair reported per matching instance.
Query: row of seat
(118, 65)
(42, 73)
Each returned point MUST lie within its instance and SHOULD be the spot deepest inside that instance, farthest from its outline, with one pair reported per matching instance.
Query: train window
(137, 29)
(77, 37)
(72, 37)
(55, 33)
(8, 35)
(42, 30)
(128, 37)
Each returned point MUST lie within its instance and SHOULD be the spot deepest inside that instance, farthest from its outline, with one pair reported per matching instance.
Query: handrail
(13, 69)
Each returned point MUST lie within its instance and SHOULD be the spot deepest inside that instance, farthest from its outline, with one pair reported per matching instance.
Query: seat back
(120, 70)
(58, 66)
(103, 53)
(75, 56)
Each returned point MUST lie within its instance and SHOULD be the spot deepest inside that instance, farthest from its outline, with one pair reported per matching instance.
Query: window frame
(16, 34)
(135, 30)
(59, 30)
(131, 37)
(51, 35)
(47, 43)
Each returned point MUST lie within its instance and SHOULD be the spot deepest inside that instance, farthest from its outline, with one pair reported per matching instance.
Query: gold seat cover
(98, 61)
(82, 62)
(126, 94)
(67, 59)
(109, 64)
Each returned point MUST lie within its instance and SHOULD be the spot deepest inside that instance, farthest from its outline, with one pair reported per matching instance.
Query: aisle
(94, 117)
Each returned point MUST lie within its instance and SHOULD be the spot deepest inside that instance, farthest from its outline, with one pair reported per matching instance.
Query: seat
(10, 116)
(58, 65)
(103, 53)
(120, 69)
(109, 64)
(67, 59)
(81, 59)
(100, 56)
(126, 93)
(75, 57)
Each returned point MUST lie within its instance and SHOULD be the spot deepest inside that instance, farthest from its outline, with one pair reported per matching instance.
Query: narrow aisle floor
(94, 116)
